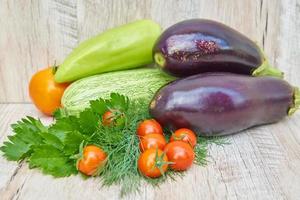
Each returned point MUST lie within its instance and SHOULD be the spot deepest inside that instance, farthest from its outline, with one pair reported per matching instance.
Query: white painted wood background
(261, 163)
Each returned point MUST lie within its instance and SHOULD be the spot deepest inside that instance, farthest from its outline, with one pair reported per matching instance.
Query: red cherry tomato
(152, 141)
(92, 161)
(181, 154)
(185, 135)
(149, 126)
(152, 163)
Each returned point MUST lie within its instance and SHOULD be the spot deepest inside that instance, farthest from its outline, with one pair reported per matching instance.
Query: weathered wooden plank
(34, 34)
(289, 40)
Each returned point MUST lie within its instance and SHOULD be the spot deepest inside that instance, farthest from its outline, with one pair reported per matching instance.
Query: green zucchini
(124, 47)
(136, 83)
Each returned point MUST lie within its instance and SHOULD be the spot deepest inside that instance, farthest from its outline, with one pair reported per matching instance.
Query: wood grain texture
(261, 163)
(289, 41)
(34, 35)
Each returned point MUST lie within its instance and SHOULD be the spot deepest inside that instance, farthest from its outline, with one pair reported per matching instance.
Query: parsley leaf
(64, 125)
(15, 150)
(27, 134)
(72, 142)
(52, 161)
(52, 140)
(89, 121)
(98, 106)
(119, 102)
(69, 132)
(45, 148)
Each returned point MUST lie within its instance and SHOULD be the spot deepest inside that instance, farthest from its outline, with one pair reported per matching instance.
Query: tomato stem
(54, 68)
(159, 162)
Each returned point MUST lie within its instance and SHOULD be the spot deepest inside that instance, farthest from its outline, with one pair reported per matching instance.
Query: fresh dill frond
(122, 147)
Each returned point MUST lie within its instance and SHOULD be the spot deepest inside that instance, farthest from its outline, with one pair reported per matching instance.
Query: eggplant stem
(159, 59)
(267, 70)
(296, 105)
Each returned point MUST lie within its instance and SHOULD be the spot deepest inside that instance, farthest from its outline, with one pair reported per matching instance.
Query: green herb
(54, 149)
(122, 147)
(51, 160)
(28, 132)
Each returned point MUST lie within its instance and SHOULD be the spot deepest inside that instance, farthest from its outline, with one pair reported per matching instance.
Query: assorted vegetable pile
(105, 139)
(143, 124)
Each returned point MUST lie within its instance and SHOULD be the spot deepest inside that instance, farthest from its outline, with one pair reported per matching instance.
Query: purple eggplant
(223, 103)
(198, 45)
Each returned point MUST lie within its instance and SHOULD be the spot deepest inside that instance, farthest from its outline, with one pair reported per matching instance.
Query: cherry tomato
(181, 154)
(44, 92)
(107, 118)
(153, 163)
(149, 126)
(185, 135)
(113, 118)
(152, 141)
(92, 161)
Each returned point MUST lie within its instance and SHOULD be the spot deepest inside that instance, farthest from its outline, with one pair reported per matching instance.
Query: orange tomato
(181, 154)
(152, 163)
(92, 161)
(185, 135)
(44, 92)
(152, 141)
(149, 126)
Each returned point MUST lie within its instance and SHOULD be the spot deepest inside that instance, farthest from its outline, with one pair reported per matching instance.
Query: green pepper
(123, 47)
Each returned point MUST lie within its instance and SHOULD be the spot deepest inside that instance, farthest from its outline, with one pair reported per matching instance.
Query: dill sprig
(122, 147)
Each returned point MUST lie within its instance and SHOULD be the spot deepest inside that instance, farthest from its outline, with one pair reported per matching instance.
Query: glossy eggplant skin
(222, 103)
(198, 45)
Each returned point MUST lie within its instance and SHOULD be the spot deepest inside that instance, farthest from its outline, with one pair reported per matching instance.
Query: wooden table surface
(260, 163)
